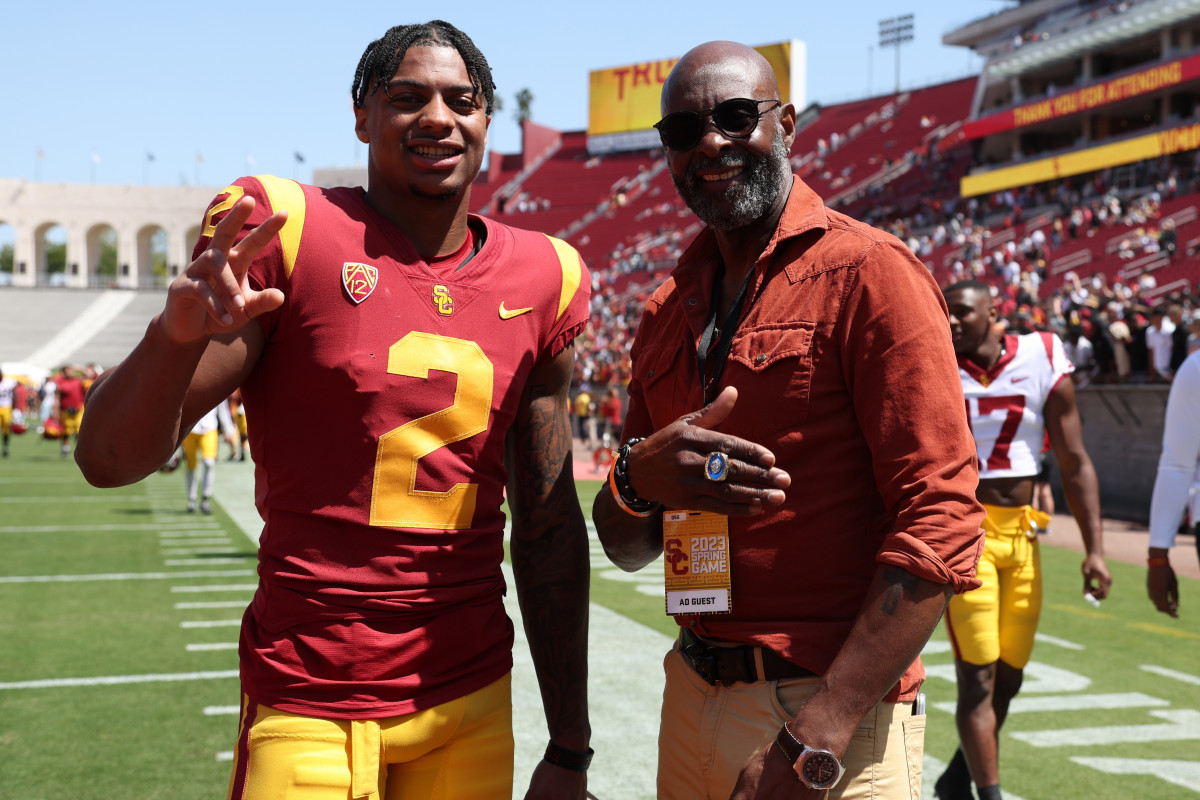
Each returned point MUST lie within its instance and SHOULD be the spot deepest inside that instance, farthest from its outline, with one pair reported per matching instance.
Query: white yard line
(206, 646)
(1046, 638)
(127, 576)
(1170, 673)
(221, 711)
(213, 604)
(211, 623)
(226, 549)
(59, 500)
(224, 587)
(113, 680)
(100, 528)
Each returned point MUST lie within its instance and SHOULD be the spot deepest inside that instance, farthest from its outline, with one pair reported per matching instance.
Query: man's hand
(1163, 587)
(769, 776)
(552, 782)
(669, 466)
(1096, 580)
(213, 295)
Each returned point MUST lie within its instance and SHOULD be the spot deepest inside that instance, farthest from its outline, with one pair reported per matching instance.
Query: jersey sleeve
(273, 266)
(1177, 466)
(574, 293)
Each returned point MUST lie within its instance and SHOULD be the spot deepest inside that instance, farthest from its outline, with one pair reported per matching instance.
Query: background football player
(1017, 389)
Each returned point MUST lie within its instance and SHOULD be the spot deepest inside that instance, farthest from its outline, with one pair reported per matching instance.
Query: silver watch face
(819, 769)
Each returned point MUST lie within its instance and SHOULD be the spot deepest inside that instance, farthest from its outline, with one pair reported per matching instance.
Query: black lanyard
(725, 342)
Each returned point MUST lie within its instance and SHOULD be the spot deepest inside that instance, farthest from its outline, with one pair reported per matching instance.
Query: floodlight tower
(892, 33)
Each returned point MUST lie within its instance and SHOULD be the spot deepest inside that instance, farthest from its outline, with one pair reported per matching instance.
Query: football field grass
(119, 614)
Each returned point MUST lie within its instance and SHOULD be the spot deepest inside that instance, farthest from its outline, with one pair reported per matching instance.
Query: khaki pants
(708, 733)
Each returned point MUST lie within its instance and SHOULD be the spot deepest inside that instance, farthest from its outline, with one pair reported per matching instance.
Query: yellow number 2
(395, 499)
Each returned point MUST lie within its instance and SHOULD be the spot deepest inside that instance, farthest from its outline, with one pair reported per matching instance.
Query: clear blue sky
(95, 87)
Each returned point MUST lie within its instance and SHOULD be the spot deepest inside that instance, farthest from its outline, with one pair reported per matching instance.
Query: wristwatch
(817, 769)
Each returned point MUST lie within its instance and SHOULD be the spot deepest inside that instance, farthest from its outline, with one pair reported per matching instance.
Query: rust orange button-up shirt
(845, 371)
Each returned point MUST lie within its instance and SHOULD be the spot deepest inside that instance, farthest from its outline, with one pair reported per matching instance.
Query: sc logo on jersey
(443, 300)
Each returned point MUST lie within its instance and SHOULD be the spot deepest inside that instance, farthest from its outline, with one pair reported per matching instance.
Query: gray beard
(767, 176)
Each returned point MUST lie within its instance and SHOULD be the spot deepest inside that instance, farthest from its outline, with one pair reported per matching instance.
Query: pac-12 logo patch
(359, 280)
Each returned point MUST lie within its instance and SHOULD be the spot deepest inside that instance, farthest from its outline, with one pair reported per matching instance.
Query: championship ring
(716, 466)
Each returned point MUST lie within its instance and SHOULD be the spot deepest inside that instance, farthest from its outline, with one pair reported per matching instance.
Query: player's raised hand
(669, 466)
(213, 294)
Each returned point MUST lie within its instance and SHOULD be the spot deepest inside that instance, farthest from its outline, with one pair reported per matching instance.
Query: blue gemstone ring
(716, 466)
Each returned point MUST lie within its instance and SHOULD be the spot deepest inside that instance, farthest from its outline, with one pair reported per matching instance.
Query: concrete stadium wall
(1122, 430)
(135, 213)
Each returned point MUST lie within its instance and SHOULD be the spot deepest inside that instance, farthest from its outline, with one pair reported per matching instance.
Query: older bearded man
(797, 443)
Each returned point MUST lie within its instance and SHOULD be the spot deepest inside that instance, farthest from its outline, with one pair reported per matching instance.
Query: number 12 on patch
(696, 562)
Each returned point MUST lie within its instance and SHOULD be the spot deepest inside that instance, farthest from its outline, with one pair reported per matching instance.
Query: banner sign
(1140, 148)
(625, 100)
(1143, 82)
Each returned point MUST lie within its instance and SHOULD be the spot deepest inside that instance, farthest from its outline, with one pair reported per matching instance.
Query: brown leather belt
(737, 664)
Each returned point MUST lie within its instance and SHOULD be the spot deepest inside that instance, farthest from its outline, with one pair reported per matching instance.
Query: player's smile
(436, 156)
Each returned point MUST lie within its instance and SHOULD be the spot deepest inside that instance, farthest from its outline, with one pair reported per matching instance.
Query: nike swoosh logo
(1019, 378)
(516, 312)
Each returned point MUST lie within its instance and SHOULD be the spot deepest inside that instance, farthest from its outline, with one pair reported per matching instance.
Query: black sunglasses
(736, 118)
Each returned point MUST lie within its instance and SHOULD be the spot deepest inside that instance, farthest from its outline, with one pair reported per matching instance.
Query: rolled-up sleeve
(902, 373)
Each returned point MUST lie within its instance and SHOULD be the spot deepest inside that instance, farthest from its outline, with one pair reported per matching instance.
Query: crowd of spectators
(1123, 330)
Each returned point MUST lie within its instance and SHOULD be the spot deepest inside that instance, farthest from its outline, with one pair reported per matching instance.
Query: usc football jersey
(377, 415)
(1005, 404)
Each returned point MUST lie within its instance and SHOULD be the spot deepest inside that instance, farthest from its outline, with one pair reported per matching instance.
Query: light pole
(892, 33)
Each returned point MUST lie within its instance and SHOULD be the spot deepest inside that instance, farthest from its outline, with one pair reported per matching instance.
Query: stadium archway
(8, 239)
(102, 255)
(50, 255)
(147, 231)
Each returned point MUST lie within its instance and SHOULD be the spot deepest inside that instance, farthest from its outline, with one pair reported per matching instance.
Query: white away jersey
(7, 385)
(1005, 404)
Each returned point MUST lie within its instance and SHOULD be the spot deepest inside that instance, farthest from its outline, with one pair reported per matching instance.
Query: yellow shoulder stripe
(289, 195)
(572, 272)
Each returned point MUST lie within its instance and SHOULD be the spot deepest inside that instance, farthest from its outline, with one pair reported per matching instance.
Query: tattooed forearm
(549, 550)
(543, 447)
(901, 582)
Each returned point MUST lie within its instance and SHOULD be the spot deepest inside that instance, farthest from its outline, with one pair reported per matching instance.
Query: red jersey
(380, 585)
(70, 393)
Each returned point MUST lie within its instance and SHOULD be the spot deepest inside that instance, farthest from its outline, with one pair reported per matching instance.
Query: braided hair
(382, 58)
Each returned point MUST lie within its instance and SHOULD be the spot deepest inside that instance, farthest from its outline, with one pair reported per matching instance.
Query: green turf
(152, 740)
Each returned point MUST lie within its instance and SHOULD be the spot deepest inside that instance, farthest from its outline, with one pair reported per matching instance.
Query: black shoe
(947, 788)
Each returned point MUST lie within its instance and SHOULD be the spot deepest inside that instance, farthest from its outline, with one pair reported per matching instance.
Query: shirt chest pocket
(773, 364)
(662, 382)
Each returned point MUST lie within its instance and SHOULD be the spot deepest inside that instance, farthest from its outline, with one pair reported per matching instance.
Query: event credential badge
(696, 562)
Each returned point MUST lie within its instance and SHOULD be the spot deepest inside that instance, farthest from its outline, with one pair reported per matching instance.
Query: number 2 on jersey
(395, 499)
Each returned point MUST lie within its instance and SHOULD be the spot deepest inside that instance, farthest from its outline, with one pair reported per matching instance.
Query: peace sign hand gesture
(213, 295)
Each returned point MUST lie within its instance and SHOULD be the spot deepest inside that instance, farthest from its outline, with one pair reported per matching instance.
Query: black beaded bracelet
(623, 489)
(568, 759)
